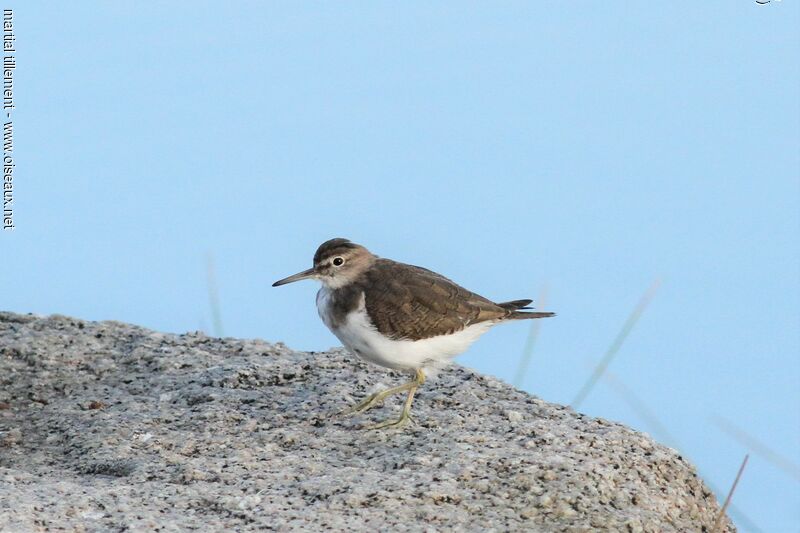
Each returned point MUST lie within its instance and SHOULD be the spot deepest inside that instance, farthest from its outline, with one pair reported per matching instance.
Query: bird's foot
(405, 416)
(401, 422)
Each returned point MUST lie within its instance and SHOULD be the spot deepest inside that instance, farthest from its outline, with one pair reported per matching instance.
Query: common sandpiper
(399, 316)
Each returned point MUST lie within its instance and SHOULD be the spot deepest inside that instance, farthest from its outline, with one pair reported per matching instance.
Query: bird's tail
(516, 304)
(516, 307)
(516, 315)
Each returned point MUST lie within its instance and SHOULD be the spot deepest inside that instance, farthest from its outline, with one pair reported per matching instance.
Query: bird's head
(337, 263)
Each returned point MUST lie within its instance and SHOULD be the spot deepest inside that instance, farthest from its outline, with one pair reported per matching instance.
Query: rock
(109, 427)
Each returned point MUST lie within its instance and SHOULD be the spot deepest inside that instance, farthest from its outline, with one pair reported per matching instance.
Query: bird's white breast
(360, 336)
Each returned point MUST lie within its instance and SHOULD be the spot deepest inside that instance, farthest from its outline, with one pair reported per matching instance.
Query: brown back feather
(409, 302)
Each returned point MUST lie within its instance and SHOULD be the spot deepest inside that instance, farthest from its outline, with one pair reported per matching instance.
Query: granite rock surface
(106, 426)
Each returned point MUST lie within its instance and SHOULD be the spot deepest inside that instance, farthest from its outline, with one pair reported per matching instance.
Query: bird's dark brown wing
(409, 302)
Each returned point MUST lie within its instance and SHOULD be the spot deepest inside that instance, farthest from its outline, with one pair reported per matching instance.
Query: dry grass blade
(757, 446)
(533, 335)
(662, 434)
(641, 409)
(647, 297)
(718, 521)
(213, 296)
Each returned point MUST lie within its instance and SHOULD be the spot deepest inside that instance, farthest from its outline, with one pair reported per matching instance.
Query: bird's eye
(338, 261)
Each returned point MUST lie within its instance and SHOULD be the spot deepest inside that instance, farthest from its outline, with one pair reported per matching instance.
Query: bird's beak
(305, 274)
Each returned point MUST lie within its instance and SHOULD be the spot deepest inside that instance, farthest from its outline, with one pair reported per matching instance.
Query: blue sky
(585, 148)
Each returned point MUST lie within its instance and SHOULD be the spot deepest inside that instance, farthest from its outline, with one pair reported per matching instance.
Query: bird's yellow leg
(374, 399)
(418, 380)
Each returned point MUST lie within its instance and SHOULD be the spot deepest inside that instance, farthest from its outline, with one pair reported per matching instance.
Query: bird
(399, 316)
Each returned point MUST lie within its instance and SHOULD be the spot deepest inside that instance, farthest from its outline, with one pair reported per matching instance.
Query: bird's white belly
(359, 335)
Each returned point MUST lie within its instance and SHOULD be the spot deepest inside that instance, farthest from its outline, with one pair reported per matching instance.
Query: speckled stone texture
(106, 426)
